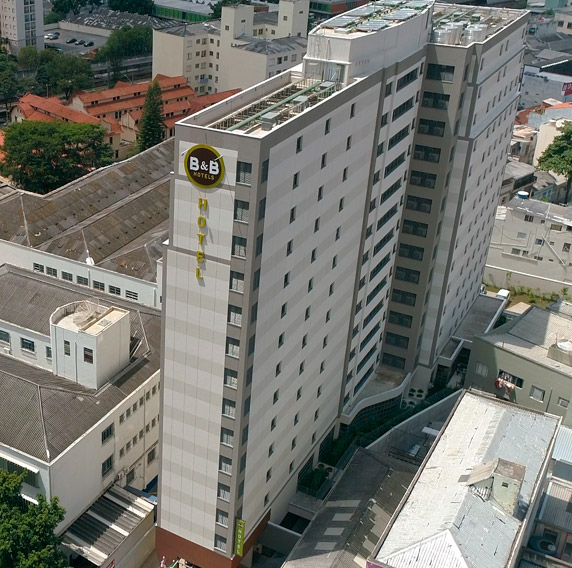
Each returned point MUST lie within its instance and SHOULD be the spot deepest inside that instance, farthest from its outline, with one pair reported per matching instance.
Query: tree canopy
(42, 156)
(151, 128)
(557, 157)
(133, 6)
(27, 538)
(66, 6)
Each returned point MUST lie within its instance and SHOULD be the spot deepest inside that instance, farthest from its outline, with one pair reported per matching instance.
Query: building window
(27, 345)
(295, 180)
(563, 402)
(393, 165)
(324, 161)
(431, 127)
(51, 271)
(232, 347)
(223, 492)
(98, 285)
(244, 173)
(393, 361)
(226, 437)
(403, 108)
(114, 290)
(82, 280)
(327, 127)
(406, 79)
(225, 465)
(48, 352)
(88, 355)
(67, 276)
(235, 315)
(529, 218)
(221, 518)
(435, 100)
(241, 210)
(414, 228)
(299, 144)
(107, 466)
(537, 394)
(239, 247)
(38, 267)
(151, 456)
(407, 274)
(228, 408)
(418, 204)
(236, 281)
(410, 251)
(230, 378)
(353, 110)
(4, 336)
(427, 153)
(423, 179)
(402, 297)
(397, 340)
(398, 318)
(388, 89)
(108, 433)
(401, 135)
(440, 72)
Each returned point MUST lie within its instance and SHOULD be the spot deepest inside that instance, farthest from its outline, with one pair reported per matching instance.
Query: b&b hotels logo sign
(204, 166)
(205, 169)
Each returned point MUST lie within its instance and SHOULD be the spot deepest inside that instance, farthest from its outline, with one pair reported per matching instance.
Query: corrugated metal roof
(106, 524)
(480, 430)
(43, 414)
(563, 445)
(556, 509)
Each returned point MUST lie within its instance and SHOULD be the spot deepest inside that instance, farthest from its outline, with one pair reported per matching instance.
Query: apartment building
(240, 50)
(464, 127)
(530, 247)
(22, 23)
(287, 204)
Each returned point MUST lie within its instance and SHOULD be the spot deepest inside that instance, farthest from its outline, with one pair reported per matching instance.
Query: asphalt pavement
(73, 49)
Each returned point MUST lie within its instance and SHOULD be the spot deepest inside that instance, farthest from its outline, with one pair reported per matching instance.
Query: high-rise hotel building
(312, 216)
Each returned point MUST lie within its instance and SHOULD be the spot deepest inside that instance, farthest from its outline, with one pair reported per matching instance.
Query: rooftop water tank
(522, 194)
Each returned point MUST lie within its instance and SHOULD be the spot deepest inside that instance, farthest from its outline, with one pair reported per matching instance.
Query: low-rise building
(33, 107)
(528, 360)
(242, 49)
(531, 247)
(474, 499)
(186, 10)
(79, 395)
(563, 17)
(517, 176)
(523, 143)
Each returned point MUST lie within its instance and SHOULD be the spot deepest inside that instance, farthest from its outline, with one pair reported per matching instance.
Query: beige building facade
(240, 50)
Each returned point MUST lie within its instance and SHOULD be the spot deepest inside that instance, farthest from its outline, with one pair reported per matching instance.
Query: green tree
(217, 7)
(66, 6)
(29, 58)
(151, 128)
(42, 156)
(27, 538)
(557, 157)
(59, 73)
(133, 6)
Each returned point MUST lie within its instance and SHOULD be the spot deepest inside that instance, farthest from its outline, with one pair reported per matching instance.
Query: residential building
(527, 360)
(22, 24)
(530, 247)
(80, 405)
(242, 49)
(523, 143)
(563, 17)
(487, 496)
(547, 131)
(464, 127)
(33, 107)
(287, 202)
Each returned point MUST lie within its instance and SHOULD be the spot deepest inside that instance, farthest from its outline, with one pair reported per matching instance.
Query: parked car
(71, 40)
(80, 42)
(89, 44)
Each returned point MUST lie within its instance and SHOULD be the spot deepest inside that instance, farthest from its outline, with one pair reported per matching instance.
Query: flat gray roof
(188, 6)
(531, 335)
(443, 522)
(479, 317)
(43, 414)
(272, 46)
(182, 30)
(111, 212)
(555, 506)
(104, 18)
(551, 211)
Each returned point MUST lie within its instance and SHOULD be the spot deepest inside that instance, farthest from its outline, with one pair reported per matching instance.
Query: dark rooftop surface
(43, 414)
(107, 19)
(118, 208)
(272, 46)
(358, 509)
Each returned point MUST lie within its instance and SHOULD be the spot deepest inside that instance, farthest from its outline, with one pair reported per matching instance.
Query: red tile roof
(39, 105)
(138, 102)
(123, 89)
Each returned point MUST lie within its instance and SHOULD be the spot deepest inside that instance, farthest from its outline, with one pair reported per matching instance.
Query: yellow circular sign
(204, 166)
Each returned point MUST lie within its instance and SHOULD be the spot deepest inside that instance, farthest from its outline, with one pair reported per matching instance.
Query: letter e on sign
(204, 166)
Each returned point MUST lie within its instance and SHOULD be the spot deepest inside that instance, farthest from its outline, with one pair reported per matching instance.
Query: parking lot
(73, 49)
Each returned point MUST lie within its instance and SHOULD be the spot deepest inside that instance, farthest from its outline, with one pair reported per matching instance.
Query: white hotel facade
(278, 278)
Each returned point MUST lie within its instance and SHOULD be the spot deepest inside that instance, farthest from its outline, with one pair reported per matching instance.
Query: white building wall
(22, 23)
(33, 464)
(194, 354)
(38, 357)
(134, 289)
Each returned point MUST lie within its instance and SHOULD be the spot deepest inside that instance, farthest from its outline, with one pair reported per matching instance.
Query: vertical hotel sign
(239, 529)
(204, 167)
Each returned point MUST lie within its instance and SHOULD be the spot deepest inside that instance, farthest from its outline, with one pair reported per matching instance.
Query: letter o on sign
(204, 166)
